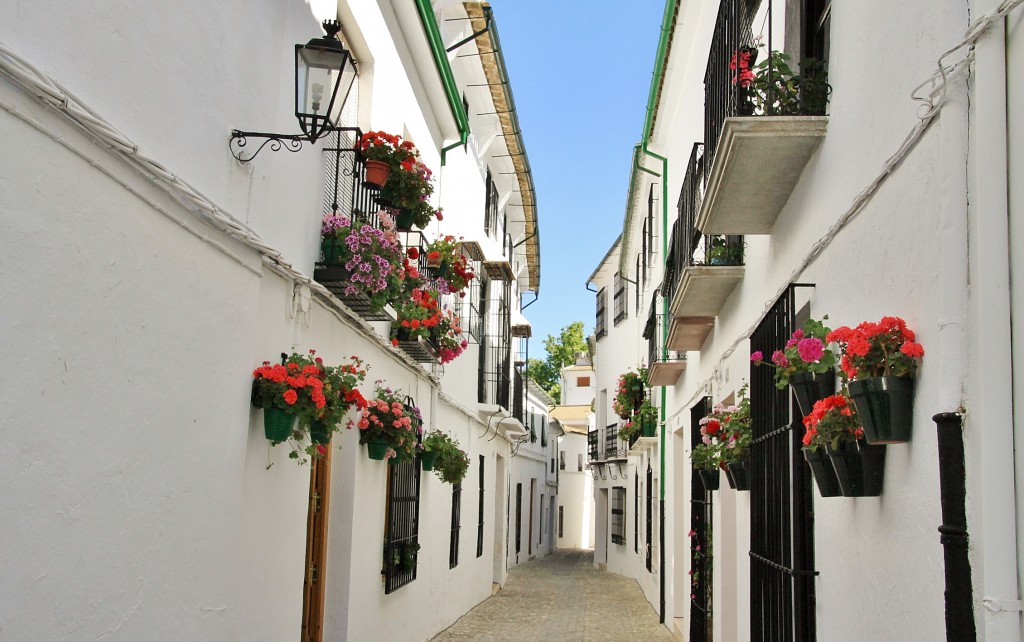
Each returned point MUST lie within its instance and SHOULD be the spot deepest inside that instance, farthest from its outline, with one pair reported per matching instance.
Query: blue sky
(580, 74)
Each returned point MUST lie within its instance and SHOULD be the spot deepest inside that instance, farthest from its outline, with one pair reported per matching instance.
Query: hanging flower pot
(319, 433)
(886, 408)
(377, 449)
(738, 475)
(810, 387)
(649, 427)
(859, 467)
(428, 459)
(710, 479)
(277, 424)
(404, 220)
(376, 175)
(823, 471)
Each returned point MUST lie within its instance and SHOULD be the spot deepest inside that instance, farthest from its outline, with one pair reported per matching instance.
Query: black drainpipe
(952, 490)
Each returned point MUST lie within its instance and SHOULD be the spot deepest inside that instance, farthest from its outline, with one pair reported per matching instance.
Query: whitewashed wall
(576, 494)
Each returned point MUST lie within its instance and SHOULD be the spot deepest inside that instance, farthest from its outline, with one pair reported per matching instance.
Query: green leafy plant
(806, 351)
(832, 421)
(452, 462)
(773, 87)
(726, 434)
(385, 147)
(721, 252)
(883, 349)
(632, 388)
(390, 419)
(408, 190)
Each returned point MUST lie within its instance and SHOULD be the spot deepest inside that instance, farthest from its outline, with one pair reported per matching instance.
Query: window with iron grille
(495, 381)
(518, 398)
(453, 547)
(636, 511)
(592, 446)
(492, 224)
(701, 561)
(642, 258)
(543, 431)
(619, 299)
(401, 532)
(480, 512)
(618, 515)
(561, 460)
(611, 441)
(649, 230)
(781, 554)
(817, 19)
(579, 462)
(648, 513)
(599, 322)
(561, 520)
(471, 314)
(638, 288)
(519, 517)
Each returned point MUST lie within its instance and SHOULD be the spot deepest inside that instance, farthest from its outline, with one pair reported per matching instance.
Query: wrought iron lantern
(324, 74)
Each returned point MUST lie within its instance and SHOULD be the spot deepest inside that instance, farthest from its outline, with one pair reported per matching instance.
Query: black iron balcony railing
(614, 448)
(734, 84)
(658, 354)
(593, 453)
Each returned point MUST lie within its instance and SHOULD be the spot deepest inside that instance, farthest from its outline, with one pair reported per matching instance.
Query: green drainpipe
(451, 91)
(667, 19)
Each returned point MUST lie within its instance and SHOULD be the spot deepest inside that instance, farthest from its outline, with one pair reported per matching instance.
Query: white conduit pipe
(932, 102)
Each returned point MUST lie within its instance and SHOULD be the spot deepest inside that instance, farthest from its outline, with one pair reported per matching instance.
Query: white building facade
(879, 205)
(148, 272)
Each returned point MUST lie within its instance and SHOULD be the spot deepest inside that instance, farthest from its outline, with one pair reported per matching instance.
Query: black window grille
(619, 299)
(817, 19)
(781, 516)
(613, 446)
(701, 560)
(561, 520)
(593, 453)
(453, 547)
(552, 464)
(544, 433)
(648, 515)
(618, 515)
(637, 287)
(495, 382)
(491, 222)
(401, 534)
(599, 322)
(480, 513)
(649, 229)
(561, 460)
(518, 400)
(643, 256)
(519, 517)
(471, 316)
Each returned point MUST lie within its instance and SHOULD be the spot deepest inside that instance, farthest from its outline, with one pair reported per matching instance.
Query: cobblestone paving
(561, 597)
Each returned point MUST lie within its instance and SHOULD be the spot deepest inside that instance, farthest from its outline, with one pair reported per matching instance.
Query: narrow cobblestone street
(561, 597)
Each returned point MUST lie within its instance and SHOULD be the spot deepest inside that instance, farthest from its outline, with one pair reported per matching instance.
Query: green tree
(561, 352)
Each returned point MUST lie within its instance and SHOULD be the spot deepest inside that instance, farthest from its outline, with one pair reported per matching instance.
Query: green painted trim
(433, 34)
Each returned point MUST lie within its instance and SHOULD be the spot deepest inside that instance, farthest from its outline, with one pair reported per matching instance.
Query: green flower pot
(404, 220)
(824, 473)
(277, 424)
(428, 459)
(860, 468)
(319, 433)
(710, 479)
(738, 475)
(376, 449)
(886, 408)
(650, 428)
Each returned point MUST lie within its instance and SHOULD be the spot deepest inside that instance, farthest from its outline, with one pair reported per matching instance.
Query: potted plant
(301, 397)
(408, 192)
(722, 252)
(833, 424)
(390, 426)
(776, 89)
(880, 361)
(450, 462)
(381, 153)
(728, 428)
(804, 364)
(707, 460)
(448, 334)
(401, 556)
(629, 432)
(646, 419)
(368, 260)
(418, 315)
(631, 392)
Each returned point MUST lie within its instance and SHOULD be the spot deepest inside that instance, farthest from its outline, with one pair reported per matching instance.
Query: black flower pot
(886, 408)
(824, 473)
(738, 475)
(810, 387)
(860, 468)
(709, 478)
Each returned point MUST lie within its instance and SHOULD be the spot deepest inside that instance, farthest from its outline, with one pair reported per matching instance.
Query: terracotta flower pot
(376, 175)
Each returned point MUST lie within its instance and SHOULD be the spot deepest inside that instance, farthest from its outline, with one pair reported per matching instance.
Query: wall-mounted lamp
(324, 74)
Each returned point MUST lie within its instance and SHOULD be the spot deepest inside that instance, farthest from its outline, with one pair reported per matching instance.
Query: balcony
(702, 270)
(663, 365)
(593, 450)
(614, 448)
(763, 122)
